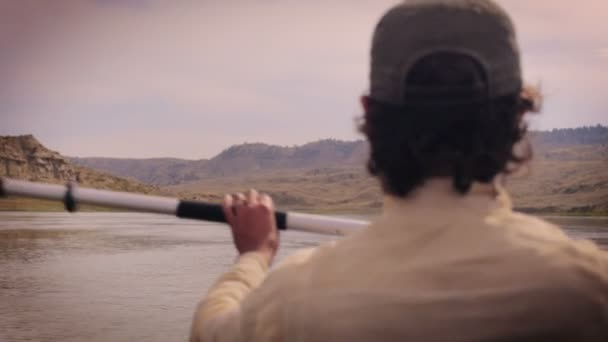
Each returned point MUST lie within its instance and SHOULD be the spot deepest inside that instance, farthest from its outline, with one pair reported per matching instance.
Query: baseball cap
(416, 29)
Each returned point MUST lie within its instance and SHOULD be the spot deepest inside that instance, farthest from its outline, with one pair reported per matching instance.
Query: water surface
(126, 277)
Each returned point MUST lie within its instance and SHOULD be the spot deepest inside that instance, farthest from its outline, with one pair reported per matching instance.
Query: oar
(71, 195)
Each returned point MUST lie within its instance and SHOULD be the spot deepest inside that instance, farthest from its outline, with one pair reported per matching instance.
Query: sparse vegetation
(588, 135)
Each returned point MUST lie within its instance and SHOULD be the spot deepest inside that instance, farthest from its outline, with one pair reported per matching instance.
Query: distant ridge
(155, 171)
(236, 160)
(259, 157)
(587, 135)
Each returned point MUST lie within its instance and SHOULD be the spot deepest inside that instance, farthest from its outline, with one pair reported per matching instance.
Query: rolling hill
(234, 161)
(568, 175)
(157, 171)
(560, 180)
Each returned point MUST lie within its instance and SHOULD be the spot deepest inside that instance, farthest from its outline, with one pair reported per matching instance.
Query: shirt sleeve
(217, 317)
(222, 314)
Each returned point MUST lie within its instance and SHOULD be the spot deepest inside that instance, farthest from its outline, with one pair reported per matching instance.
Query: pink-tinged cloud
(185, 79)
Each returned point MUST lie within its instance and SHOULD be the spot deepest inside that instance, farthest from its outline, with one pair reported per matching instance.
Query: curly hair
(467, 140)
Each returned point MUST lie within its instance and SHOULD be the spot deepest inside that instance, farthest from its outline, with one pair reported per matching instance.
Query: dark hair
(469, 141)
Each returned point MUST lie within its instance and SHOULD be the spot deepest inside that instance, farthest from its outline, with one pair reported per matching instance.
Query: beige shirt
(436, 266)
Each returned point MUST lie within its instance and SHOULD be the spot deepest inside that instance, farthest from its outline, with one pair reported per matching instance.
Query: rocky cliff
(24, 157)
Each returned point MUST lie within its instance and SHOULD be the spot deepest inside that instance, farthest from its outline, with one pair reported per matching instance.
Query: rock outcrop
(24, 157)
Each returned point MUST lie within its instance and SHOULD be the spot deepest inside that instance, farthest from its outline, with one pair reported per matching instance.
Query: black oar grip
(2, 192)
(214, 212)
(68, 200)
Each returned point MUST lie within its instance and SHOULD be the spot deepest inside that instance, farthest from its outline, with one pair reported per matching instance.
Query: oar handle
(215, 213)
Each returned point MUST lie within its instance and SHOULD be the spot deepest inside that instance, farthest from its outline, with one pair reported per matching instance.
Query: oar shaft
(72, 195)
(104, 198)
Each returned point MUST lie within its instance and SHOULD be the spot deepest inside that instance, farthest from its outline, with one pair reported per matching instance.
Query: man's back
(448, 260)
(438, 267)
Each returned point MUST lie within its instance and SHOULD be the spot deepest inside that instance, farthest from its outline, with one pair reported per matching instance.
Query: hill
(571, 179)
(157, 171)
(575, 187)
(588, 135)
(325, 190)
(568, 174)
(24, 157)
(234, 161)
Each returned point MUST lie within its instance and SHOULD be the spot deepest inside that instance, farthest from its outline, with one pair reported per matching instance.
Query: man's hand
(251, 218)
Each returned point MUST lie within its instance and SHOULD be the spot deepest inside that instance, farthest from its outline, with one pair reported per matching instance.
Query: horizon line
(257, 143)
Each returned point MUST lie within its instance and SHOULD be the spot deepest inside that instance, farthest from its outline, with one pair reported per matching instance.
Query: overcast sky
(190, 78)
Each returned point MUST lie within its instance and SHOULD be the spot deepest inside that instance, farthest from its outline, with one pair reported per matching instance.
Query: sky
(145, 78)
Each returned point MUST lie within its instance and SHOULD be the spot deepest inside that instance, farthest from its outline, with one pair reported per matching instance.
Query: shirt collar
(437, 199)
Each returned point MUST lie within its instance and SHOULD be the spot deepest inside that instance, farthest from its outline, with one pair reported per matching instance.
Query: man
(448, 260)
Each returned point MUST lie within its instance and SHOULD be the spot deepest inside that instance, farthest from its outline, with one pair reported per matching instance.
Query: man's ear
(364, 102)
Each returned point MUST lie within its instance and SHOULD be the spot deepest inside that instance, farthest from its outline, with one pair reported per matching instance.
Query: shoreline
(345, 213)
(13, 204)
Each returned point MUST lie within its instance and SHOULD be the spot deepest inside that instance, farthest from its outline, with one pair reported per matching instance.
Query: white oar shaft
(112, 199)
(72, 195)
(155, 204)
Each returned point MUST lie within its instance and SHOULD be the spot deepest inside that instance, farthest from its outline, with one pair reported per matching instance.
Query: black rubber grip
(68, 200)
(2, 192)
(213, 212)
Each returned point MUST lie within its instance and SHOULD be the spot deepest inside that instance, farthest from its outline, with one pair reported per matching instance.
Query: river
(126, 277)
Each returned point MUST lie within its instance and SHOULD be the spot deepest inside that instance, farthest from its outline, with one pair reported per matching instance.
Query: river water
(126, 277)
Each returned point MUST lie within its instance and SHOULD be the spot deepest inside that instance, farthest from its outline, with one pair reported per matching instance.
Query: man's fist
(251, 218)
